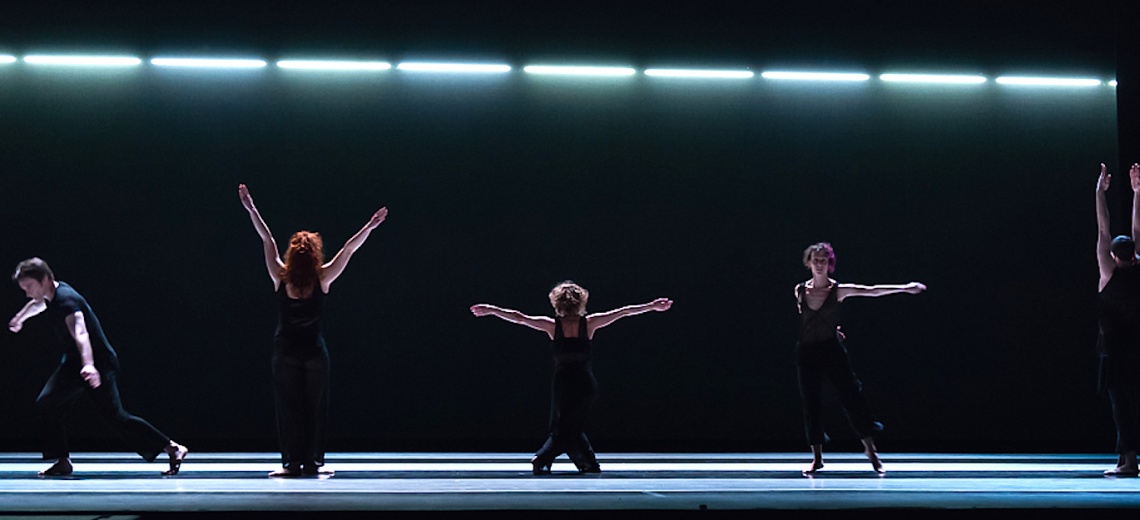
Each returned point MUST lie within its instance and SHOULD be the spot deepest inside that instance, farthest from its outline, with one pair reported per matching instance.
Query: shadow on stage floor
(425, 484)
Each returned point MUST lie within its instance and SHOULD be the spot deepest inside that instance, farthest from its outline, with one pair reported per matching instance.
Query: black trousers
(573, 391)
(301, 391)
(61, 390)
(823, 362)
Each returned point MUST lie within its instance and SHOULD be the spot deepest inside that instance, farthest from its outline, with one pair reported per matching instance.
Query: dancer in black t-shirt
(89, 365)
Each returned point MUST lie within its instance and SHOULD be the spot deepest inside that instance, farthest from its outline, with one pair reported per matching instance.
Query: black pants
(300, 386)
(572, 393)
(60, 392)
(826, 361)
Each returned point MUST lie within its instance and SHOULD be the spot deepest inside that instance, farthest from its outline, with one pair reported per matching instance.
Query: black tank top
(299, 319)
(819, 325)
(1119, 313)
(571, 351)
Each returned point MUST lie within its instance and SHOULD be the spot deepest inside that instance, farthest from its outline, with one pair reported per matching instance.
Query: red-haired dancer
(821, 356)
(300, 358)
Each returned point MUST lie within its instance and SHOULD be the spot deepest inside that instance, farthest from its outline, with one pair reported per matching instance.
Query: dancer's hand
(15, 325)
(661, 304)
(91, 375)
(377, 218)
(1134, 176)
(481, 309)
(915, 287)
(1103, 181)
(246, 198)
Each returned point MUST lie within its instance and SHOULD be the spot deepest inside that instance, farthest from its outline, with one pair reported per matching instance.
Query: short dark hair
(35, 268)
(1124, 247)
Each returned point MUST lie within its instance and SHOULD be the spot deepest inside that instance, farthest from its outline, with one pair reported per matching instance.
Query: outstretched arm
(873, 291)
(32, 308)
(1103, 238)
(335, 267)
(542, 323)
(602, 319)
(269, 246)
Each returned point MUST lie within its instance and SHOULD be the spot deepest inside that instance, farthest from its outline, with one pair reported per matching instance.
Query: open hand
(661, 304)
(378, 217)
(246, 198)
(1134, 176)
(1103, 181)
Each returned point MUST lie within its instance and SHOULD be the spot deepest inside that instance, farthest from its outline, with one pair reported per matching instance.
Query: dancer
(573, 385)
(89, 365)
(1119, 317)
(821, 355)
(300, 358)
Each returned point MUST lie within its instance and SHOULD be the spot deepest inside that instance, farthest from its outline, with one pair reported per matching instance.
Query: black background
(705, 192)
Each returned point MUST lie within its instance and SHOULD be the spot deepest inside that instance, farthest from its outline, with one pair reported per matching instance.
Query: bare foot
(285, 473)
(816, 465)
(61, 468)
(177, 454)
(875, 462)
(1122, 471)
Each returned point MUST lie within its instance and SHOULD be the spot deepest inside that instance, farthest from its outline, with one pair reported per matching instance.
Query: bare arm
(1134, 177)
(77, 326)
(602, 319)
(1103, 238)
(335, 267)
(542, 323)
(32, 308)
(273, 262)
(874, 291)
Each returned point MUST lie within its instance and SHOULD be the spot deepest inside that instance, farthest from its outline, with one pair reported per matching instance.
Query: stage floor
(235, 482)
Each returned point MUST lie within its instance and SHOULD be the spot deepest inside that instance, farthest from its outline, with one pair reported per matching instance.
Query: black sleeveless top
(819, 325)
(571, 351)
(299, 320)
(1119, 313)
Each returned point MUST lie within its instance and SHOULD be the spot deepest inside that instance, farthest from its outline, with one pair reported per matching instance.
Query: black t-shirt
(65, 303)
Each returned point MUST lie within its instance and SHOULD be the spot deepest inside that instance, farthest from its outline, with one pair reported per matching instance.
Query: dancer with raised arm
(573, 385)
(821, 356)
(300, 357)
(89, 366)
(1119, 318)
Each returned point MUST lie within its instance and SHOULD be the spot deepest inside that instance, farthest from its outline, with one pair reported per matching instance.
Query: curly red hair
(304, 260)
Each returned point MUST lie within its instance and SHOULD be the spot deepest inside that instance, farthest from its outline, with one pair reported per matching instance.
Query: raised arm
(542, 323)
(335, 267)
(273, 262)
(32, 308)
(872, 291)
(1134, 176)
(602, 319)
(1103, 237)
(77, 326)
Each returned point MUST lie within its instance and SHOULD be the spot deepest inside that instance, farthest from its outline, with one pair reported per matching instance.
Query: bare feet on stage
(816, 465)
(61, 468)
(285, 473)
(1125, 466)
(303, 471)
(872, 454)
(177, 454)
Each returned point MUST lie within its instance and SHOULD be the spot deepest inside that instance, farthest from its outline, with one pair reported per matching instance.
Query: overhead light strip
(578, 70)
(333, 65)
(947, 79)
(814, 76)
(1048, 81)
(700, 73)
(460, 68)
(77, 60)
(209, 63)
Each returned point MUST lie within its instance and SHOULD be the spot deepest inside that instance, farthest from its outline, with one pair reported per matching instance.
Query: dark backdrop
(705, 192)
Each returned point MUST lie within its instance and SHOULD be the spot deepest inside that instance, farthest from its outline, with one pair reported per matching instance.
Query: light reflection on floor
(481, 481)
